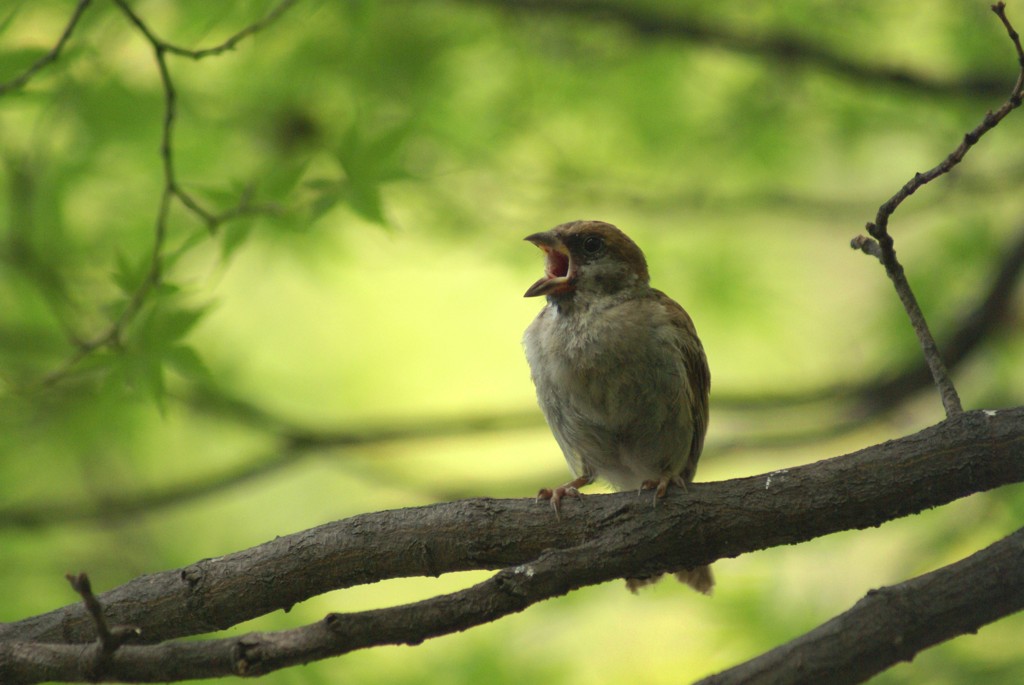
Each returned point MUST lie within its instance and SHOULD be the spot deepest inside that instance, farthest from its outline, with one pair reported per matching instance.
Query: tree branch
(892, 624)
(21, 79)
(293, 443)
(783, 47)
(855, 404)
(889, 625)
(882, 245)
(985, 317)
(109, 638)
(172, 188)
(605, 537)
(229, 44)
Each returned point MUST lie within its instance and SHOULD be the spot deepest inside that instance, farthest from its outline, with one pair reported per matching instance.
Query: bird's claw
(555, 496)
(570, 489)
(660, 486)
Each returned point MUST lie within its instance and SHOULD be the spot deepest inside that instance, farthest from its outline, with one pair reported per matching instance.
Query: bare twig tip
(866, 245)
(1000, 9)
(79, 583)
(883, 248)
(875, 230)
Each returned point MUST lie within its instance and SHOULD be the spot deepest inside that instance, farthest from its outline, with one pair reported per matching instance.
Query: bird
(621, 376)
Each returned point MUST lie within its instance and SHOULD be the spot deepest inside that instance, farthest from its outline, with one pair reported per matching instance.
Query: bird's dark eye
(592, 244)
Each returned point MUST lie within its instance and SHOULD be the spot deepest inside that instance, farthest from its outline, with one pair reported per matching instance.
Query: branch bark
(603, 538)
(892, 624)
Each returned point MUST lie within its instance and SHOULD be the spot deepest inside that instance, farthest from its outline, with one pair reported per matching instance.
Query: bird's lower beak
(558, 274)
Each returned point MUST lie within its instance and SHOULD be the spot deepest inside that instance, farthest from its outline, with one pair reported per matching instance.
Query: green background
(396, 153)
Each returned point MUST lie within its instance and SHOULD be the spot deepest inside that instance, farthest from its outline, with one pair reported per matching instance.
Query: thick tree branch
(892, 624)
(889, 625)
(602, 538)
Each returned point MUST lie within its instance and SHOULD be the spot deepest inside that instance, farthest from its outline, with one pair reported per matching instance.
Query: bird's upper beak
(558, 270)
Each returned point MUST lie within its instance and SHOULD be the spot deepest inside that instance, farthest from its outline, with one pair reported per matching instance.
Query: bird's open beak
(558, 270)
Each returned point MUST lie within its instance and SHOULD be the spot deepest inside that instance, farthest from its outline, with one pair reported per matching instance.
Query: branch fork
(880, 244)
(110, 638)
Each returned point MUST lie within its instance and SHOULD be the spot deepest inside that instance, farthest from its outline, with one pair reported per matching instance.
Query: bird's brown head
(588, 256)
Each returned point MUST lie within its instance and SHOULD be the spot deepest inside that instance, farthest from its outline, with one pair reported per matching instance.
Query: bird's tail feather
(700, 579)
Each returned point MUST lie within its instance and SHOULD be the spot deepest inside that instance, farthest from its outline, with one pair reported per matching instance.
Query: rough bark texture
(892, 624)
(601, 538)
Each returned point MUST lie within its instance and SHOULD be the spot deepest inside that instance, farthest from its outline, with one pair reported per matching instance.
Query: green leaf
(151, 380)
(165, 290)
(142, 370)
(6, 22)
(326, 194)
(171, 325)
(128, 275)
(281, 179)
(194, 238)
(365, 199)
(186, 361)
(233, 235)
(369, 161)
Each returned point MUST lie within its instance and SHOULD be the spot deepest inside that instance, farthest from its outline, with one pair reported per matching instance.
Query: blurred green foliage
(346, 255)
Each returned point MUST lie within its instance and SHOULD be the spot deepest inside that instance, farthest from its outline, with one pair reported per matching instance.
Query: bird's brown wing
(698, 377)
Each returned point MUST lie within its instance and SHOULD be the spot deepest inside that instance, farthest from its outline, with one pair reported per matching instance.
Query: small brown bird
(621, 375)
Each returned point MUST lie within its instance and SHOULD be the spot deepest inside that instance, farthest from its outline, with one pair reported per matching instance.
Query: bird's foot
(660, 486)
(570, 489)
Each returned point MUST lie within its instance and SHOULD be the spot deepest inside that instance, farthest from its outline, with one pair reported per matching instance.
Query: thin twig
(172, 188)
(975, 326)
(231, 42)
(24, 77)
(990, 313)
(882, 244)
(109, 638)
(228, 44)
